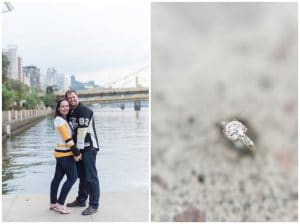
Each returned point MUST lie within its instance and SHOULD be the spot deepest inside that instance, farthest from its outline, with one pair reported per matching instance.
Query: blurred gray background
(210, 62)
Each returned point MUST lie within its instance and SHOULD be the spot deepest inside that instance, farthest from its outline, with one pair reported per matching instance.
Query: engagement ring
(235, 132)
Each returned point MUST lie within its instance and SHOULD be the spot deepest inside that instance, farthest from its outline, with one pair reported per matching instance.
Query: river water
(28, 163)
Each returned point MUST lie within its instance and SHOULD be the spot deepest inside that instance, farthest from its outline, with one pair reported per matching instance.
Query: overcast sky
(93, 40)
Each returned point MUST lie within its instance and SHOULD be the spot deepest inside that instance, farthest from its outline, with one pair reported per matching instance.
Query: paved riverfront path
(114, 207)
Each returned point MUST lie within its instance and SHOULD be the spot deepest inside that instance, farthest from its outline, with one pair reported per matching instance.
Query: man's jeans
(89, 182)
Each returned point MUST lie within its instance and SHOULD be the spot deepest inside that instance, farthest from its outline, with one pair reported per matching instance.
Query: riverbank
(14, 122)
(115, 207)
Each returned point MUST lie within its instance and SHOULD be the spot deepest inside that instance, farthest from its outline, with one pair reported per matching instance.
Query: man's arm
(84, 119)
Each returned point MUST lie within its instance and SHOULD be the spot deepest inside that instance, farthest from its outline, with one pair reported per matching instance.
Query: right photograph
(224, 112)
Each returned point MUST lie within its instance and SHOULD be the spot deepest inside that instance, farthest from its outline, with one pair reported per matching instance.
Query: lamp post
(7, 7)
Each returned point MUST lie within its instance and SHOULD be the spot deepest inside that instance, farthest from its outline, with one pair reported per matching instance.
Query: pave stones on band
(235, 131)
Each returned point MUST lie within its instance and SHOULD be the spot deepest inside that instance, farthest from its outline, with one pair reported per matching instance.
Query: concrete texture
(214, 61)
(115, 207)
(18, 126)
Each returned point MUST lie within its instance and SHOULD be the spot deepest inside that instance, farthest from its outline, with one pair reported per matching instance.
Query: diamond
(247, 141)
(234, 130)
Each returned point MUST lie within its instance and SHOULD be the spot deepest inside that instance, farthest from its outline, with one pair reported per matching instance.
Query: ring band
(235, 132)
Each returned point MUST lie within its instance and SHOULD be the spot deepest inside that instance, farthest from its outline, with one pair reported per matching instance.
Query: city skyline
(99, 41)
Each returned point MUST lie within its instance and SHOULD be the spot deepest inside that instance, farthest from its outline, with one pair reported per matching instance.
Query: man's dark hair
(70, 91)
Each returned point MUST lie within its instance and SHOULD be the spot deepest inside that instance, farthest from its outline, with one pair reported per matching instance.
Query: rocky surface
(210, 62)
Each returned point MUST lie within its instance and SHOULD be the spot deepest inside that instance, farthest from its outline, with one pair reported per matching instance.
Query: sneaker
(61, 209)
(89, 211)
(51, 207)
(76, 204)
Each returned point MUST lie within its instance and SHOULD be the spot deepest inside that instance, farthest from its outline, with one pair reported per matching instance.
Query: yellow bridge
(97, 95)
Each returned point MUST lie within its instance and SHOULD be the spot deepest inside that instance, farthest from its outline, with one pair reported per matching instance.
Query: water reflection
(28, 162)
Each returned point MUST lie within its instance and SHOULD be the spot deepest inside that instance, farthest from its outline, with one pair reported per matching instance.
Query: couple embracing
(75, 153)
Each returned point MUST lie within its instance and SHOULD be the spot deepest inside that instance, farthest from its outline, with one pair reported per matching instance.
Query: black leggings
(64, 165)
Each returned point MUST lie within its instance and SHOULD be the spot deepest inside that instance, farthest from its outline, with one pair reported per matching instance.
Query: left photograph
(75, 111)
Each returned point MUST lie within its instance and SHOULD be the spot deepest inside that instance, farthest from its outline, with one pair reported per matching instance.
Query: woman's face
(64, 108)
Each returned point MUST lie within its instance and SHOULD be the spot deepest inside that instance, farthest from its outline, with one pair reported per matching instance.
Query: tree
(8, 98)
(32, 99)
(8, 95)
(5, 64)
(20, 89)
(15, 94)
(50, 100)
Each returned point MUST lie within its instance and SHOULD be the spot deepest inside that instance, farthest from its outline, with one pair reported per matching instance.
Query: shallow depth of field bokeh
(213, 61)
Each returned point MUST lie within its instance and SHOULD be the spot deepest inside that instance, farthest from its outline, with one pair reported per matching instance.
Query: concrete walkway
(120, 207)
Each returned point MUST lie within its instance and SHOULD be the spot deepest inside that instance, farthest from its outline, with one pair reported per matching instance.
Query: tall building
(43, 81)
(67, 82)
(63, 81)
(20, 70)
(59, 79)
(26, 78)
(15, 67)
(34, 73)
(11, 53)
(50, 76)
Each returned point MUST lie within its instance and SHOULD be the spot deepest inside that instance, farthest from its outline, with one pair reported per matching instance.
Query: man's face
(72, 99)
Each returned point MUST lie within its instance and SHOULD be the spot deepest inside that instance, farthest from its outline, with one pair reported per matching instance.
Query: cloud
(117, 76)
(81, 37)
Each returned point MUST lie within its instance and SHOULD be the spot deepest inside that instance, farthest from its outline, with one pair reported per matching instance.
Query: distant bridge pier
(122, 106)
(137, 105)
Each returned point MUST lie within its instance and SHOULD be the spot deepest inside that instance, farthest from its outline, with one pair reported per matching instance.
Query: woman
(66, 154)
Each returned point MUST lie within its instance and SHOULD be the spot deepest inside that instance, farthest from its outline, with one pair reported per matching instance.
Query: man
(82, 121)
